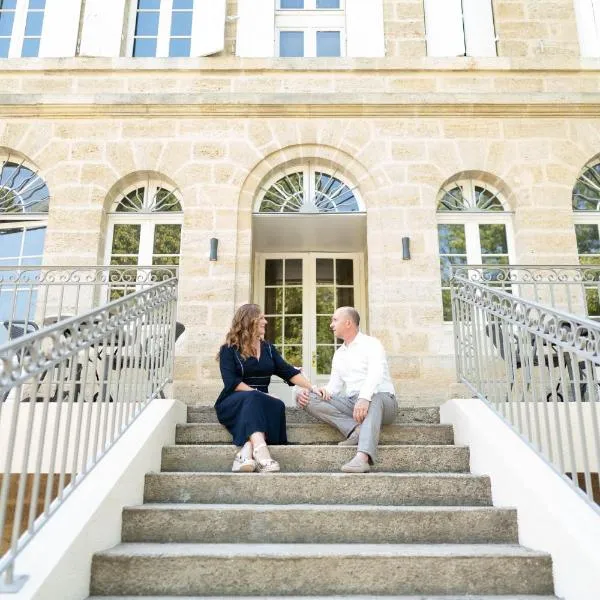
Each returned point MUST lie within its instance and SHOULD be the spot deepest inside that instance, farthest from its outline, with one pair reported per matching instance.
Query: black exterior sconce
(405, 248)
(214, 245)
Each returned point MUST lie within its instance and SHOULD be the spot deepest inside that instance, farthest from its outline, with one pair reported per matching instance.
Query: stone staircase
(420, 526)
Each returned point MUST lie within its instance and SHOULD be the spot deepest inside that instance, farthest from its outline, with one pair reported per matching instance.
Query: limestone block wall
(400, 129)
(407, 160)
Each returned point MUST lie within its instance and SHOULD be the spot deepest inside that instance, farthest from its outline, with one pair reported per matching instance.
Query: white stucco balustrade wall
(552, 515)
(58, 560)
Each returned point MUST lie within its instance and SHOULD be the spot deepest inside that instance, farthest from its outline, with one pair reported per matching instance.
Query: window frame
(310, 20)
(147, 221)
(163, 35)
(471, 220)
(18, 36)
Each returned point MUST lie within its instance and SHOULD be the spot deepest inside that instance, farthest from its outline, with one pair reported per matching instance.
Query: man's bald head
(350, 313)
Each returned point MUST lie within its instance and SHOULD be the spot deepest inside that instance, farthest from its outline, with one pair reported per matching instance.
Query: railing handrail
(583, 324)
(74, 357)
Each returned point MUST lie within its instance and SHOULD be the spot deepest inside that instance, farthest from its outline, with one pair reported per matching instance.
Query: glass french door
(299, 293)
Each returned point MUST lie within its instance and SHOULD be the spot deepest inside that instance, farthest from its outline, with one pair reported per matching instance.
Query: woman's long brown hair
(244, 329)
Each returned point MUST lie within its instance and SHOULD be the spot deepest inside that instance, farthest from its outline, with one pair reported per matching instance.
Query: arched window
(145, 226)
(24, 199)
(308, 190)
(586, 208)
(473, 228)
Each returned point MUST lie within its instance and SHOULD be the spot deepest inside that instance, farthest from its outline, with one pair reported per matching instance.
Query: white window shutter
(208, 27)
(444, 28)
(256, 28)
(587, 14)
(480, 34)
(364, 28)
(60, 28)
(103, 24)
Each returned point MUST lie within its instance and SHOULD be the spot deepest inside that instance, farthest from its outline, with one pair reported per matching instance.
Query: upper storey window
(21, 27)
(163, 28)
(460, 28)
(156, 28)
(310, 28)
(587, 13)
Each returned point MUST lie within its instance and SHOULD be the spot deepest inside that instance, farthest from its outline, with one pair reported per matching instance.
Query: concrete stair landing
(419, 528)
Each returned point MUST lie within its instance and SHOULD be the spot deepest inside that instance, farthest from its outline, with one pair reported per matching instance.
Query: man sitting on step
(359, 397)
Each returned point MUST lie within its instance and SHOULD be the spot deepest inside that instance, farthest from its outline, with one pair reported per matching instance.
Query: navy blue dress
(244, 413)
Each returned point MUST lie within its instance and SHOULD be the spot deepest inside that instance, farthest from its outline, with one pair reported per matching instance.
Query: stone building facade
(395, 136)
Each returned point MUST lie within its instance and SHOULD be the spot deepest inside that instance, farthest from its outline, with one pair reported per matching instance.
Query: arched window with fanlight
(473, 228)
(145, 227)
(586, 216)
(309, 190)
(24, 200)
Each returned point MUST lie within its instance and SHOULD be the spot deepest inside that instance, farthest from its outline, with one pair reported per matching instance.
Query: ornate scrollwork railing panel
(32, 297)
(571, 288)
(536, 365)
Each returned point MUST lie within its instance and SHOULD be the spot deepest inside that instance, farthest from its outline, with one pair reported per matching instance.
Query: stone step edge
(420, 597)
(312, 551)
(324, 446)
(304, 474)
(162, 506)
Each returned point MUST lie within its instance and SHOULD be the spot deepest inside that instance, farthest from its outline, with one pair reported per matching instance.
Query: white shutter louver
(256, 28)
(102, 31)
(364, 28)
(444, 28)
(208, 27)
(480, 34)
(587, 13)
(60, 28)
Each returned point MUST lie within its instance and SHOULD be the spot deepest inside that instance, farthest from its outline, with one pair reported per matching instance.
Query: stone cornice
(301, 105)
(229, 64)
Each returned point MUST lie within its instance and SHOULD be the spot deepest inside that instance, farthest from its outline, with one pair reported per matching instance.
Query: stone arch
(505, 196)
(131, 179)
(343, 163)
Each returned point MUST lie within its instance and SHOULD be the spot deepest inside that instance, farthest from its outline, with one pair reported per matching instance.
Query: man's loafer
(356, 465)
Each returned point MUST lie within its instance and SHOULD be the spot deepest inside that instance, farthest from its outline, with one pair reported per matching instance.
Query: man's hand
(361, 408)
(302, 398)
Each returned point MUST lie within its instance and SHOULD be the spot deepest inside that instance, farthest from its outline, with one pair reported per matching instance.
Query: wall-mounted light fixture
(405, 248)
(214, 245)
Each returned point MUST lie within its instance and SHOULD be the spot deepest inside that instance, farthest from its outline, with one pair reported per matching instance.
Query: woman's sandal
(243, 464)
(266, 465)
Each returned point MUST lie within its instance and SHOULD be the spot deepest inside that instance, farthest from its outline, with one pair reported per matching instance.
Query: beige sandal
(243, 464)
(266, 465)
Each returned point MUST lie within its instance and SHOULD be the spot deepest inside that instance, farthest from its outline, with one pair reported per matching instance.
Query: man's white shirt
(360, 367)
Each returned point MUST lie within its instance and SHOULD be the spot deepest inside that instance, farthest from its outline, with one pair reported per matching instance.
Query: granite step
(369, 597)
(314, 433)
(406, 414)
(287, 569)
(322, 459)
(380, 489)
(320, 524)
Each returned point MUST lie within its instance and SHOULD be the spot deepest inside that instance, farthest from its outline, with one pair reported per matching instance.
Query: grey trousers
(338, 413)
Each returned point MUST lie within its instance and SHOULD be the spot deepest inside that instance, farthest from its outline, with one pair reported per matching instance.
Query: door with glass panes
(299, 293)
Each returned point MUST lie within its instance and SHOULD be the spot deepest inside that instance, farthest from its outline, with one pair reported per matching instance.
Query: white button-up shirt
(360, 367)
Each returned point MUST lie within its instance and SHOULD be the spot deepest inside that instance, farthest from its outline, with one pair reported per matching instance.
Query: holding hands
(302, 396)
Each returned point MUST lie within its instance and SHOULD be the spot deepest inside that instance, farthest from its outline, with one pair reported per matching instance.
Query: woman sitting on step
(245, 407)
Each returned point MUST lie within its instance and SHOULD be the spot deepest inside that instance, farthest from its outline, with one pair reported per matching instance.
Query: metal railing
(538, 367)
(67, 393)
(572, 288)
(32, 297)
